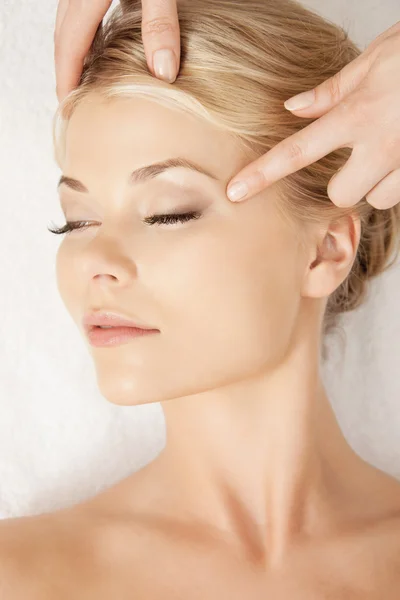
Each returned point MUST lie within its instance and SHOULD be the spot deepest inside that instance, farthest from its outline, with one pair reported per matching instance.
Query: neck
(264, 454)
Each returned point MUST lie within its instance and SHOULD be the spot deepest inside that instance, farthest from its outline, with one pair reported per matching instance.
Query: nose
(106, 261)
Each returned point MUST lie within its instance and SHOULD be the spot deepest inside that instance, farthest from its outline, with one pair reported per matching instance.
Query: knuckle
(158, 26)
(296, 153)
(335, 86)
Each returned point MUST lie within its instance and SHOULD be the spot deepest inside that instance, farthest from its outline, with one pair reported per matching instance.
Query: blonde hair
(239, 62)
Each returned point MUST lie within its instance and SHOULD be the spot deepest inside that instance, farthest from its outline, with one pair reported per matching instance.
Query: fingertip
(247, 185)
(164, 64)
(237, 191)
(301, 101)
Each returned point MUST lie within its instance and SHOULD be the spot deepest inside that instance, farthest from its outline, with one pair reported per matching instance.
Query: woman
(257, 493)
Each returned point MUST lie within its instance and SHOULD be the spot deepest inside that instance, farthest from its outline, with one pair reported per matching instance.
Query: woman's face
(224, 289)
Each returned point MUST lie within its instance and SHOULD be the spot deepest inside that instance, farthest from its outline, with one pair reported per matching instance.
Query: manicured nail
(303, 100)
(164, 65)
(237, 190)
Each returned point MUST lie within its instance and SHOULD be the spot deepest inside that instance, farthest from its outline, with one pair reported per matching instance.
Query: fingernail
(237, 190)
(164, 65)
(303, 100)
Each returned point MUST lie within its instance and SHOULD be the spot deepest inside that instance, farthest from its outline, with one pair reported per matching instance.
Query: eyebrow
(143, 173)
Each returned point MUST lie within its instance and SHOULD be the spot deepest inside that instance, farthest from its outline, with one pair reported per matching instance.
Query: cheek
(232, 307)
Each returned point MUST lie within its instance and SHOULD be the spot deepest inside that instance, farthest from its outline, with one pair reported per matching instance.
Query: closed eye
(172, 218)
(163, 219)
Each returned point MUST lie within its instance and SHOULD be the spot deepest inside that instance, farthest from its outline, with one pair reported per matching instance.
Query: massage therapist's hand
(76, 25)
(358, 108)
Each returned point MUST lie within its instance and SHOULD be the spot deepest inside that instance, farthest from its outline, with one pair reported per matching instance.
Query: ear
(333, 252)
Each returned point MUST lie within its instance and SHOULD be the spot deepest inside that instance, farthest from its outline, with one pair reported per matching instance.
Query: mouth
(108, 328)
(107, 335)
(110, 319)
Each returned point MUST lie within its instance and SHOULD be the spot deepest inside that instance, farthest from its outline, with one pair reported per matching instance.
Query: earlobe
(335, 250)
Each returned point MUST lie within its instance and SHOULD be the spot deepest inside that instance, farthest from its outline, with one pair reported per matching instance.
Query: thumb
(331, 92)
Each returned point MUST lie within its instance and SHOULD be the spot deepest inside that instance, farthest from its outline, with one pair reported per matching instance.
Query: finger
(357, 178)
(387, 192)
(73, 40)
(161, 38)
(316, 102)
(331, 92)
(329, 132)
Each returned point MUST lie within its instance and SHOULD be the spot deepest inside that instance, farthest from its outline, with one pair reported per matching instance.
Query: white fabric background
(60, 440)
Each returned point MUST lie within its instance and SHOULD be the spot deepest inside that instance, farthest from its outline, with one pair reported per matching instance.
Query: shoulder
(380, 549)
(14, 560)
(372, 556)
(38, 556)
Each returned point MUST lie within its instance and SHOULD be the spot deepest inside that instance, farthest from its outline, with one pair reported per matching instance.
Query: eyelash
(167, 219)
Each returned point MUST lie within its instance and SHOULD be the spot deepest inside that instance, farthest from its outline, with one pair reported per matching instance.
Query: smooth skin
(357, 108)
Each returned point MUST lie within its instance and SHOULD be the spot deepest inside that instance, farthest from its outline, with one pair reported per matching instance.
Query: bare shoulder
(78, 552)
(386, 540)
(16, 553)
(369, 559)
(379, 557)
(42, 556)
(10, 583)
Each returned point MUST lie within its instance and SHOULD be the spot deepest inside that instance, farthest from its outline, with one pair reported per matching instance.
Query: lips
(115, 336)
(94, 320)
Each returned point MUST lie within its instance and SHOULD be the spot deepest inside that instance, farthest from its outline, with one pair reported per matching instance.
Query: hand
(76, 25)
(361, 110)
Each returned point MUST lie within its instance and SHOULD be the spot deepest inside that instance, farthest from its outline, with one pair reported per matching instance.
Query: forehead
(139, 130)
